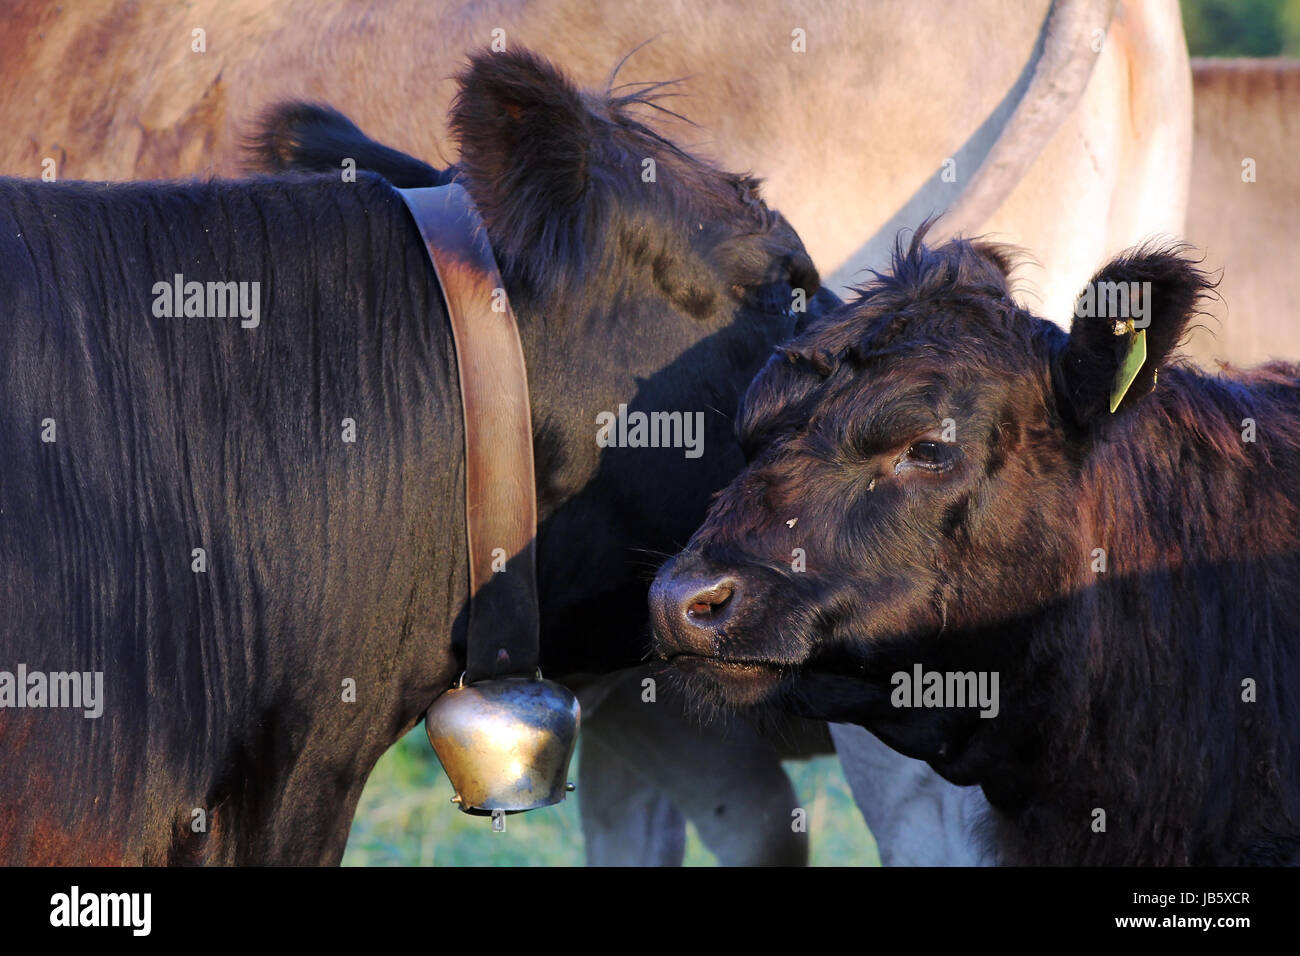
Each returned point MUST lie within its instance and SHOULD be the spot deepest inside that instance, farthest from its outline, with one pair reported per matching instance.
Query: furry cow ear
(1128, 320)
(312, 137)
(524, 132)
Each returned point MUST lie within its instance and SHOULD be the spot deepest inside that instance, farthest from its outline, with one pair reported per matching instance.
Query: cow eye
(931, 455)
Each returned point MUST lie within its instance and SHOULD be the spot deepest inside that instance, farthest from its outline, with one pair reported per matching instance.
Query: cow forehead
(956, 295)
(888, 397)
(894, 398)
(693, 186)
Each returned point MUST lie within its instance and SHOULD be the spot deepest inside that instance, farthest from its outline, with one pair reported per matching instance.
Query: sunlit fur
(1120, 691)
(330, 561)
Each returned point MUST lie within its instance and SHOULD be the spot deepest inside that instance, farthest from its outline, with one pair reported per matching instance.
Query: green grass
(406, 818)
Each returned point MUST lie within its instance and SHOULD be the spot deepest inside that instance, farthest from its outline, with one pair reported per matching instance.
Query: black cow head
(913, 480)
(649, 285)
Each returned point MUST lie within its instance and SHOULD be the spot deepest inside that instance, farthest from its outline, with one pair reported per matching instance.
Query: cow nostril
(711, 602)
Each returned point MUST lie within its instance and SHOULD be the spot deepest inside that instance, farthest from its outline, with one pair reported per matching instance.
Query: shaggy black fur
(330, 561)
(1160, 691)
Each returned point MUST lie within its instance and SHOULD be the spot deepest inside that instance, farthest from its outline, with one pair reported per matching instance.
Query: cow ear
(312, 137)
(524, 133)
(1128, 321)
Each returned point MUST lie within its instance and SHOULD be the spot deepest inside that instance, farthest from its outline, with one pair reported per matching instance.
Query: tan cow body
(851, 136)
(1244, 206)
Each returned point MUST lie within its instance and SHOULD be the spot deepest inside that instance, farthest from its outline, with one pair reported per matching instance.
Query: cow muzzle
(691, 606)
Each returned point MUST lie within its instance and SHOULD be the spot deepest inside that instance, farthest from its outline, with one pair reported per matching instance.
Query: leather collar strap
(500, 491)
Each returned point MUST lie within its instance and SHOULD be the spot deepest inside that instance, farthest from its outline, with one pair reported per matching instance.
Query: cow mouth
(741, 682)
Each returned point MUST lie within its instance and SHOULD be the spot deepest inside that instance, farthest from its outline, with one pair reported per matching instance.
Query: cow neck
(500, 491)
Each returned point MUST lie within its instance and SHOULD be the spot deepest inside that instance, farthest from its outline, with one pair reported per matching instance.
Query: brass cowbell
(505, 743)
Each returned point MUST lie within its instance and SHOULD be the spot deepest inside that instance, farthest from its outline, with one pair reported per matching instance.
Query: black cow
(270, 603)
(645, 771)
(969, 510)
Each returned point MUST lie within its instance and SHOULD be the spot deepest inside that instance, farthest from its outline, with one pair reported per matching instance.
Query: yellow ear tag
(1132, 364)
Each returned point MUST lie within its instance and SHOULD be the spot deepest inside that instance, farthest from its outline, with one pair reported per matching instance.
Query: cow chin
(725, 683)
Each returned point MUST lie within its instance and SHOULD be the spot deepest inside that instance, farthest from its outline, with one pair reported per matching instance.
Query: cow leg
(724, 778)
(732, 786)
(626, 821)
(916, 817)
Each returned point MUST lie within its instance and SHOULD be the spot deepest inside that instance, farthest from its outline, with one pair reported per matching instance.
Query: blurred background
(406, 817)
(1242, 27)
